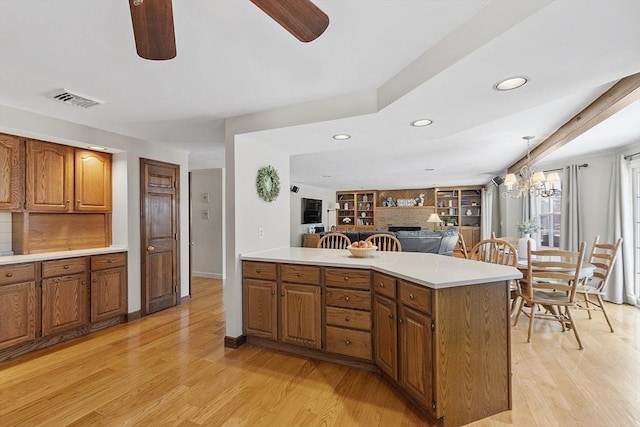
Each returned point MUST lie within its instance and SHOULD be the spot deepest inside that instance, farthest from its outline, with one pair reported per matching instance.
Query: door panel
(160, 200)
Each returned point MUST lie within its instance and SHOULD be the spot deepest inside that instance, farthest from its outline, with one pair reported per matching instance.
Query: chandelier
(530, 181)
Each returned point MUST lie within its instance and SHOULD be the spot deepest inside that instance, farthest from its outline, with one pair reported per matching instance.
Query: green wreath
(268, 183)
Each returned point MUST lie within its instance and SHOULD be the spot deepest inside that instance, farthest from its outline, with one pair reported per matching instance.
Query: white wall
(126, 182)
(5, 233)
(328, 218)
(207, 232)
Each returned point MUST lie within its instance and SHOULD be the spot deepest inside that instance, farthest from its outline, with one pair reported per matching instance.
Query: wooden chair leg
(531, 318)
(515, 322)
(604, 311)
(586, 304)
(573, 326)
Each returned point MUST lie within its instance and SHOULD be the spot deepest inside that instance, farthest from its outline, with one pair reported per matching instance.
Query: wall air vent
(74, 98)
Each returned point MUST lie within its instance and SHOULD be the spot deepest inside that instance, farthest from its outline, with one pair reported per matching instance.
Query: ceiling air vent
(74, 98)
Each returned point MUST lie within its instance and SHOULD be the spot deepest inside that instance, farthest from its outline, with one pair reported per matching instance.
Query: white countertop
(431, 270)
(15, 259)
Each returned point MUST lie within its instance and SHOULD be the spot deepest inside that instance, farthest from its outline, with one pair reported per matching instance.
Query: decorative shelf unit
(463, 206)
(357, 210)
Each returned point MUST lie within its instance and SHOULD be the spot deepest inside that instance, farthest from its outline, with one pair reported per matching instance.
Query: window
(549, 209)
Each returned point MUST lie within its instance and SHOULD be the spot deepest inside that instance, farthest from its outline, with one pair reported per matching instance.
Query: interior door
(159, 227)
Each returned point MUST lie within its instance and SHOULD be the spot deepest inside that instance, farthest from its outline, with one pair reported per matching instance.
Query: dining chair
(462, 247)
(551, 281)
(385, 242)
(602, 257)
(334, 241)
(512, 240)
(497, 251)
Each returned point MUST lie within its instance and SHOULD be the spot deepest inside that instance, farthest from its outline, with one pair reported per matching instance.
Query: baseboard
(234, 342)
(207, 275)
(136, 315)
(185, 299)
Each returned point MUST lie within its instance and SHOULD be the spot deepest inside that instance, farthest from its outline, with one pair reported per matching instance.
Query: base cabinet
(300, 322)
(17, 304)
(261, 308)
(108, 286)
(385, 319)
(416, 356)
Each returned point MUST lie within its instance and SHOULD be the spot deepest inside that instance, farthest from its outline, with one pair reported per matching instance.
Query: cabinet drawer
(415, 296)
(348, 298)
(347, 278)
(17, 273)
(99, 262)
(300, 274)
(259, 270)
(384, 285)
(349, 342)
(63, 267)
(348, 318)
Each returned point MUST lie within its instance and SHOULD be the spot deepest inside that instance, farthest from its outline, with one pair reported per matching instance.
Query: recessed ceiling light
(97, 147)
(421, 122)
(326, 176)
(341, 136)
(429, 169)
(510, 83)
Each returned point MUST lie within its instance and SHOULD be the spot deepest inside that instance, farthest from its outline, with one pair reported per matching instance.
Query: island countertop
(431, 270)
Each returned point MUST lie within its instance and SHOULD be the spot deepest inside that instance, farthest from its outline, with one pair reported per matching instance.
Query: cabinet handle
(110, 261)
(94, 281)
(299, 274)
(347, 342)
(9, 275)
(84, 282)
(150, 248)
(282, 294)
(411, 296)
(66, 267)
(347, 319)
(400, 320)
(381, 285)
(258, 270)
(391, 316)
(346, 278)
(346, 298)
(273, 292)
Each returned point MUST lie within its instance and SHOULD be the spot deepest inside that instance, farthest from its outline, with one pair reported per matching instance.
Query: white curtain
(487, 211)
(621, 287)
(571, 233)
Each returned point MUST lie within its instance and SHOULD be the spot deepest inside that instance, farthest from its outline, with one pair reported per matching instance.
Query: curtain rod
(631, 156)
(584, 165)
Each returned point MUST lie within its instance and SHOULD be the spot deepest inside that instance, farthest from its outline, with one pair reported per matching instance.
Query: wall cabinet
(11, 173)
(17, 304)
(60, 178)
(108, 286)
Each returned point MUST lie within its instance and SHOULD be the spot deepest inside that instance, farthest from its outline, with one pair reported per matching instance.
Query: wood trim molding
(234, 342)
(136, 315)
(623, 93)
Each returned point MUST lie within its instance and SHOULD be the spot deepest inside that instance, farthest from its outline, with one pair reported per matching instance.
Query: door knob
(150, 248)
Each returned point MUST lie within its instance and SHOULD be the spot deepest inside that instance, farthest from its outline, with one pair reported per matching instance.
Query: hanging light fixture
(530, 181)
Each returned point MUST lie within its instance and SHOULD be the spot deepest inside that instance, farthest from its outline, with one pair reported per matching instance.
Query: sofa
(440, 242)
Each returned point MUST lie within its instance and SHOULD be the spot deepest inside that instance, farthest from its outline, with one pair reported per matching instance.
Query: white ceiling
(407, 59)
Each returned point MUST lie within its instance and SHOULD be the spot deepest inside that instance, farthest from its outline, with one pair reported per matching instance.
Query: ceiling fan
(155, 38)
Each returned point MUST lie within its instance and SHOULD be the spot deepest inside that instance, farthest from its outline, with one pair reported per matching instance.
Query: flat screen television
(311, 211)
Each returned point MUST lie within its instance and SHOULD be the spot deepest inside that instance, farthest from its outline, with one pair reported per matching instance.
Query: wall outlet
(205, 214)
(261, 232)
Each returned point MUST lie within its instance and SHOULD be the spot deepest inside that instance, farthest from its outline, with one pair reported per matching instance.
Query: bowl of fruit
(362, 249)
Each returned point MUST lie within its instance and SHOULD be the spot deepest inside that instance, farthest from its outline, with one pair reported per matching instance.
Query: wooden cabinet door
(416, 357)
(17, 313)
(64, 303)
(108, 293)
(300, 315)
(385, 335)
(11, 175)
(49, 176)
(260, 309)
(92, 181)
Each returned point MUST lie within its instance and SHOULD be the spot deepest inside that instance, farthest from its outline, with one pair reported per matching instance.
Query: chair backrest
(385, 242)
(334, 241)
(462, 247)
(603, 256)
(495, 251)
(512, 240)
(554, 269)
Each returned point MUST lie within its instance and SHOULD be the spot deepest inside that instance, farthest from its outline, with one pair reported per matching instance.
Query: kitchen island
(437, 327)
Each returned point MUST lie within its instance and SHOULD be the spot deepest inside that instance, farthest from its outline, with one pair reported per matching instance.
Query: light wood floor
(171, 369)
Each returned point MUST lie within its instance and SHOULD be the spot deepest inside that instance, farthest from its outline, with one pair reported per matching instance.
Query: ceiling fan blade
(301, 18)
(153, 29)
